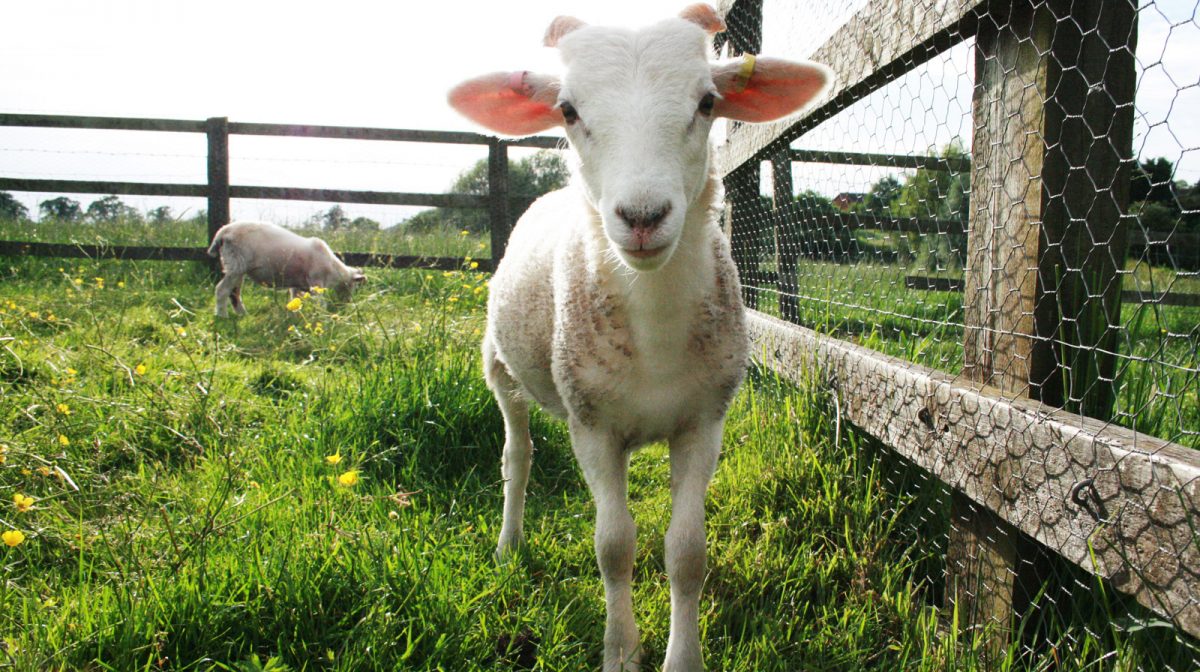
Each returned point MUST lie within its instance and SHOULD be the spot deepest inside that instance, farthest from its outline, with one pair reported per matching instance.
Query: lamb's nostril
(643, 217)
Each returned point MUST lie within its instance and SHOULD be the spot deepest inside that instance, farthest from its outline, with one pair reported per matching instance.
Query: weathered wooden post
(217, 129)
(744, 35)
(498, 216)
(787, 240)
(1053, 119)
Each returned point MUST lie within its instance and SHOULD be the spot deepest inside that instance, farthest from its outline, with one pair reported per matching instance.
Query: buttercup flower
(333, 459)
(63, 440)
(13, 537)
(140, 369)
(317, 289)
(294, 304)
(349, 478)
(22, 502)
(64, 409)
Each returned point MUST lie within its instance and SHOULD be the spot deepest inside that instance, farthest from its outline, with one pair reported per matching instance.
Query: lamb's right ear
(512, 103)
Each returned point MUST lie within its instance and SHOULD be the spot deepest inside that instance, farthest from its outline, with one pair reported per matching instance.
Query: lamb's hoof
(508, 551)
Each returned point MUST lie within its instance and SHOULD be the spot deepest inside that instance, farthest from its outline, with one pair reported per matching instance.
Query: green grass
(187, 515)
(193, 232)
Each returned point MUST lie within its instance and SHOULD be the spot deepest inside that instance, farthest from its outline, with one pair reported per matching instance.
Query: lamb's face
(638, 108)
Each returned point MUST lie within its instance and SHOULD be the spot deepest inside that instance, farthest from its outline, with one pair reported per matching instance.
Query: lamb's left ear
(756, 89)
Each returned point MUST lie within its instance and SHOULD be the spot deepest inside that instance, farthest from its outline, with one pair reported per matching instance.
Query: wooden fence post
(743, 35)
(787, 240)
(217, 129)
(498, 198)
(1053, 113)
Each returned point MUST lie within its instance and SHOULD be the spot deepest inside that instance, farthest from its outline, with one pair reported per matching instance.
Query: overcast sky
(389, 64)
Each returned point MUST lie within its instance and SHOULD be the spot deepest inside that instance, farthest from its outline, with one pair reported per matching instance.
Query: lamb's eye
(568, 111)
(706, 104)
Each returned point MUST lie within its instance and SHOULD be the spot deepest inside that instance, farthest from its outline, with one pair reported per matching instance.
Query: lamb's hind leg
(229, 285)
(518, 450)
(693, 461)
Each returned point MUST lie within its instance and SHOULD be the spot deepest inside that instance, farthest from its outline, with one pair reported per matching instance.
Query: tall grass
(194, 506)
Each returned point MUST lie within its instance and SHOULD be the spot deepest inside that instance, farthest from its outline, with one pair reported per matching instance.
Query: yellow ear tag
(745, 72)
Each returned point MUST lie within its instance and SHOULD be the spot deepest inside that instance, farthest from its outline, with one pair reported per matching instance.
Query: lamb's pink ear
(704, 16)
(512, 103)
(762, 89)
(559, 27)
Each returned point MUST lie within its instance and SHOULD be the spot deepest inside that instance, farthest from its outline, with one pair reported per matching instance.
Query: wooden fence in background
(500, 204)
(1027, 476)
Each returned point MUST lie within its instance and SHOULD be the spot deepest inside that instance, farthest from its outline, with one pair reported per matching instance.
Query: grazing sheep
(617, 305)
(276, 257)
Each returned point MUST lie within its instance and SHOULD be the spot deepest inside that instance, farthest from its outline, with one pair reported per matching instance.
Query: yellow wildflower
(121, 284)
(317, 289)
(22, 502)
(254, 485)
(44, 470)
(78, 281)
(71, 372)
(349, 478)
(33, 315)
(64, 409)
(180, 332)
(63, 440)
(294, 304)
(13, 537)
(452, 299)
(99, 283)
(333, 459)
(140, 369)
(3, 453)
(464, 232)
(474, 265)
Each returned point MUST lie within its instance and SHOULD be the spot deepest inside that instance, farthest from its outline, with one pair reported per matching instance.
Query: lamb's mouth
(644, 253)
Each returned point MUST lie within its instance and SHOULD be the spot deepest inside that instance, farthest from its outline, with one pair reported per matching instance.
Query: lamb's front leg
(605, 465)
(693, 461)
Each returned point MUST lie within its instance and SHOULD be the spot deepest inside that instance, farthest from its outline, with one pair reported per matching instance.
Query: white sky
(360, 63)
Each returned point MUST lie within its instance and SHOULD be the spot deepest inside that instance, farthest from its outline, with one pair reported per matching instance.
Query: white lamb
(276, 257)
(617, 306)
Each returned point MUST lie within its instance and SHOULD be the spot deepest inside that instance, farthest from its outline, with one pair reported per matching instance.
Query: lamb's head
(637, 107)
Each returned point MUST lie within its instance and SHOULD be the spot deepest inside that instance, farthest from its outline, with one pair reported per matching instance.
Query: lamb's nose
(643, 217)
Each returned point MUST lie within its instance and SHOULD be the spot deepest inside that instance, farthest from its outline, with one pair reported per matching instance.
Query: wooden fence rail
(499, 202)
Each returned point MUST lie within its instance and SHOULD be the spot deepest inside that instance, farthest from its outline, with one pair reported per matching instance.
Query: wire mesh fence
(989, 240)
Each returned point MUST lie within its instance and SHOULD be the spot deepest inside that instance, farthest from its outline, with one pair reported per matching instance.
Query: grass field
(193, 232)
(319, 490)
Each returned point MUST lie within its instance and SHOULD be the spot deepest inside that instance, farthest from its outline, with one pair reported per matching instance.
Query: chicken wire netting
(1005, 194)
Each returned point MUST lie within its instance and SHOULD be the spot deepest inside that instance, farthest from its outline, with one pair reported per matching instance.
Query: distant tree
(61, 208)
(11, 208)
(363, 224)
(160, 215)
(1152, 181)
(110, 209)
(532, 176)
(879, 198)
(334, 219)
(1189, 201)
(938, 194)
